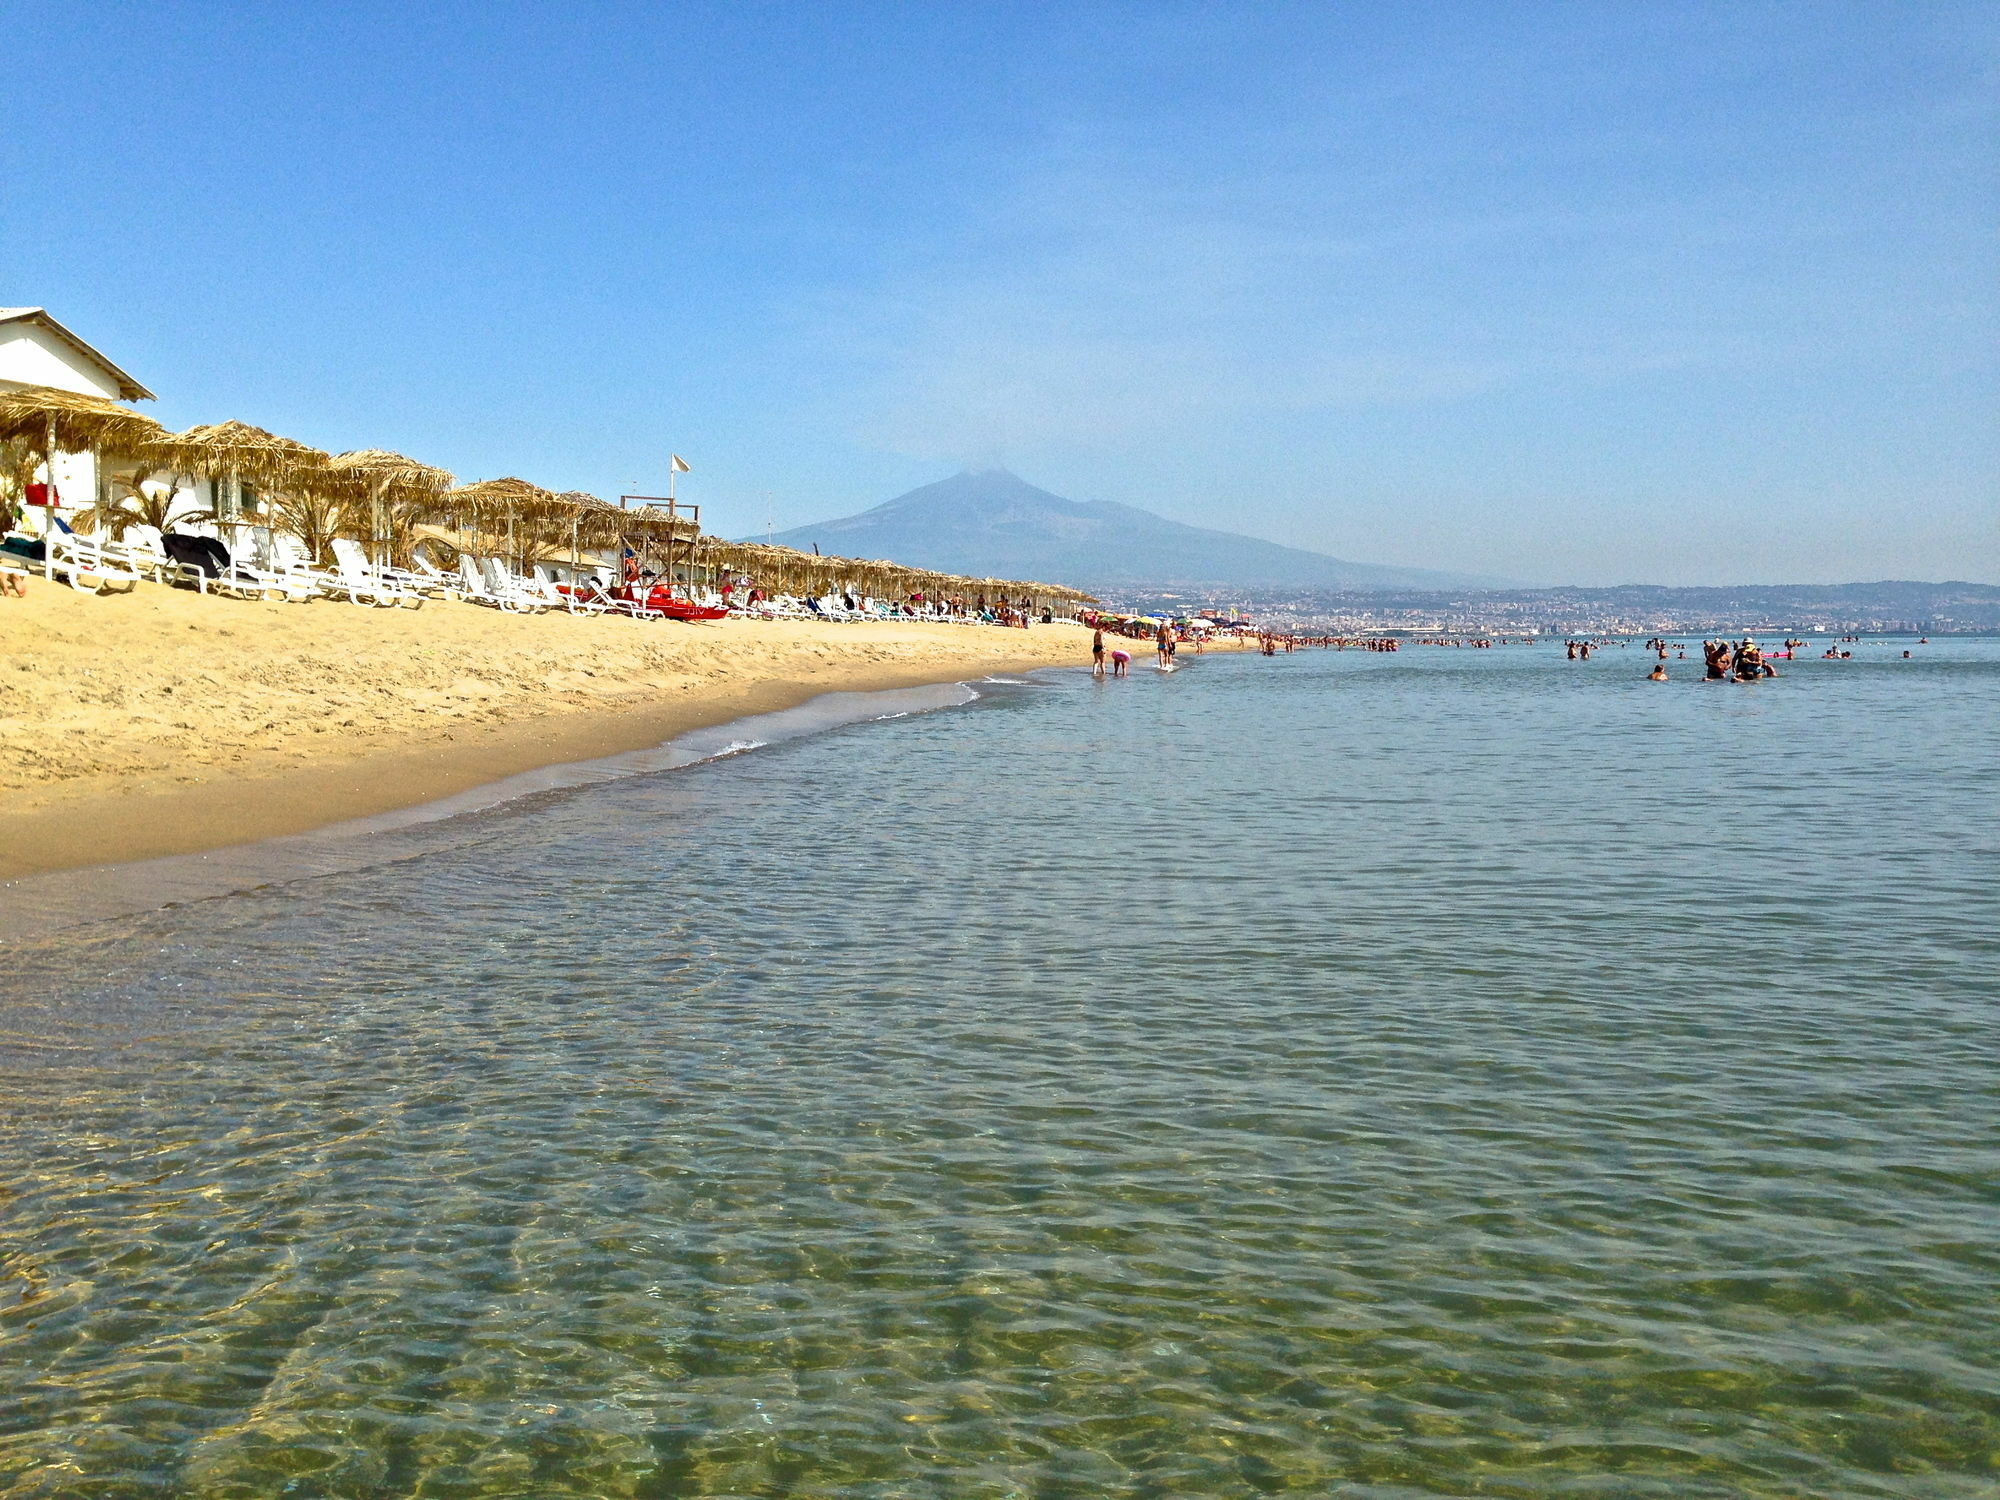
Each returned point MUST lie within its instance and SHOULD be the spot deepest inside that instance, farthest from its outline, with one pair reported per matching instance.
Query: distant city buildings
(1836, 609)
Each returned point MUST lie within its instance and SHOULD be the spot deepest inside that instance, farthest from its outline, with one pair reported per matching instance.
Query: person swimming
(1659, 672)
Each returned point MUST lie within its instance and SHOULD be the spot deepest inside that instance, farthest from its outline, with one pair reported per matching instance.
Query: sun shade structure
(45, 418)
(506, 500)
(240, 451)
(792, 570)
(503, 508)
(400, 492)
(390, 476)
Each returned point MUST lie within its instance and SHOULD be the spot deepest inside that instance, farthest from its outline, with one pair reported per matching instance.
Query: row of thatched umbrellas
(385, 497)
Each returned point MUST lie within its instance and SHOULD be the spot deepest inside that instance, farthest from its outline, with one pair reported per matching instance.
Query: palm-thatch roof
(390, 475)
(505, 499)
(35, 414)
(249, 453)
(787, 567)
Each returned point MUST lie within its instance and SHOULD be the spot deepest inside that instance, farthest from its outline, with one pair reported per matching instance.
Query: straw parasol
(490, 504)
(41, 420)
(390, 480)
(69, 422)
(243, 452)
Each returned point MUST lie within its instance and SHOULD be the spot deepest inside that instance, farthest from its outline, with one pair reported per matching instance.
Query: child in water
(1120, 660)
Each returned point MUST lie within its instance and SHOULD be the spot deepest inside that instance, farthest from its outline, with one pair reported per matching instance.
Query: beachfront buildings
(35, 349)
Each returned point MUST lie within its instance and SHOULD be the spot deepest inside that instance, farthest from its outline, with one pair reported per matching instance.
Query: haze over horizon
(1681, 294)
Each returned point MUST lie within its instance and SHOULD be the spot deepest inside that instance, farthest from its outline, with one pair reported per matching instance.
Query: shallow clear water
(1449, 1073)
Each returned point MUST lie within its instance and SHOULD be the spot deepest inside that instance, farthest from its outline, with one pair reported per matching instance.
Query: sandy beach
(163, 722)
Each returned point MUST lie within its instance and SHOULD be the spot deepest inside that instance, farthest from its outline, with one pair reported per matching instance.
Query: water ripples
(1384, 1076)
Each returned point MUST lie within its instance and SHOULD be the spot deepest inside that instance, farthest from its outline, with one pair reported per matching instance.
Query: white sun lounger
(359, 576)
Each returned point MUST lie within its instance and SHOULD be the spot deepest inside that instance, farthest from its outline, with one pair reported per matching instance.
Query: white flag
(680, 465)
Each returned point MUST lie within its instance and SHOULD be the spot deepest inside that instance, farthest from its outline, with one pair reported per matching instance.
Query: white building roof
(128, 388)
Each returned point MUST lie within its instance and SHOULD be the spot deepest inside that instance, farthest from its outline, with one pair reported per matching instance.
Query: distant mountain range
(994, 524)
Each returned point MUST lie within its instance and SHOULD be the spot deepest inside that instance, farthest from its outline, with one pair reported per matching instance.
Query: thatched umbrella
(390, 479)
(293, 470)
(40, 418)
(491, 503)
(241, 452)
(591, 521)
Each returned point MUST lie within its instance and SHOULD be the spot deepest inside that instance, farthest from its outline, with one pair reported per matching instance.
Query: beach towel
(203, 552)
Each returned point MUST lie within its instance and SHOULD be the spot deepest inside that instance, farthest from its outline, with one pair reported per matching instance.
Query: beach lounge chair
(85, 566)
(358, 576)
(502, 580)
(138, 551)
(435, 580)
(276, 567)
(545, 586)
(482, 585)
(339, 582)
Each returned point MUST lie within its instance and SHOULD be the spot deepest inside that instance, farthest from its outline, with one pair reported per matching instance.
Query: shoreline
(90, 826)
(159, 722)
(40, 904)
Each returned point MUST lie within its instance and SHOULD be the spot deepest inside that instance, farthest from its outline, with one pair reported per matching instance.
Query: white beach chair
(503, 581)
(473, 588)
(275, 566)
(545, 586)
(485, 584)
(84, 565)
(630, 608)
(360, 578)
(434, 580)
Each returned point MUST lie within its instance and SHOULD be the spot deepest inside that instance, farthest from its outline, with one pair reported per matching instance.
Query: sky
(1564, 293)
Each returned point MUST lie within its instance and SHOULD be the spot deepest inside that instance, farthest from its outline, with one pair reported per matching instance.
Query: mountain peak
(992, 522)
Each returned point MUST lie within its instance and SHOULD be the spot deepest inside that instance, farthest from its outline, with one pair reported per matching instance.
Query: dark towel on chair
(203, 552)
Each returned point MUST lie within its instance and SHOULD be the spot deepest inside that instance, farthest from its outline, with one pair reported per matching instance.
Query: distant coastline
(1889, 607)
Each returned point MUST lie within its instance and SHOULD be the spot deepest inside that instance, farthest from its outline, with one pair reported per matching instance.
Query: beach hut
(40, 359)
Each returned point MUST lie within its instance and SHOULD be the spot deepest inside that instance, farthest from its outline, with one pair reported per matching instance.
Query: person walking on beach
(1097, 654)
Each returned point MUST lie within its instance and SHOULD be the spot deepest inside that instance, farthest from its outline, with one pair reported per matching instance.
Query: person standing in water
(1097, 654)
(1749, 661)
(1121, 662)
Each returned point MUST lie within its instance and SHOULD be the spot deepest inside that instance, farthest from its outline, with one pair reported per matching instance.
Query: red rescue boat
(663, 599)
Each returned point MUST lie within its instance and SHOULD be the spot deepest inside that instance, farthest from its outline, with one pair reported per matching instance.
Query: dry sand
(165, 722)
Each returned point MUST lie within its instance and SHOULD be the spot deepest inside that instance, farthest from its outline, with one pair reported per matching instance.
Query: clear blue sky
(1591, 293)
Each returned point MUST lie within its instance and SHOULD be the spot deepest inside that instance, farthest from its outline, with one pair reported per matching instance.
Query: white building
(37, 350)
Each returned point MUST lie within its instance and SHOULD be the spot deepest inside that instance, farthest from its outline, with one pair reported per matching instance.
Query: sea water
(1454, 1072)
